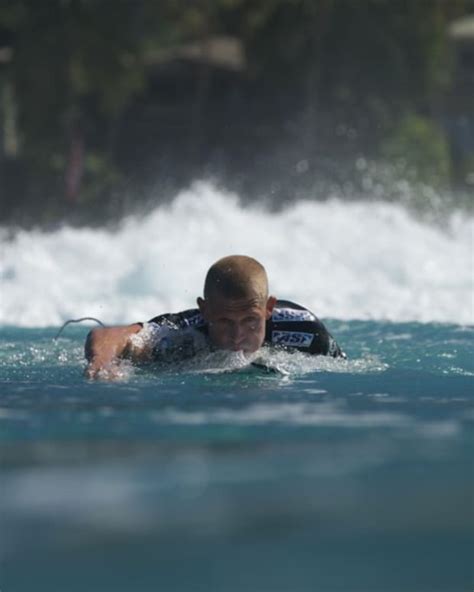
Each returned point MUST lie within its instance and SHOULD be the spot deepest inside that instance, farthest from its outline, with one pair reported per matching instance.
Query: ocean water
(331, 475)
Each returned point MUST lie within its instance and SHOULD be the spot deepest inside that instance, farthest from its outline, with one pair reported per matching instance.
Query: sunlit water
(322, 474)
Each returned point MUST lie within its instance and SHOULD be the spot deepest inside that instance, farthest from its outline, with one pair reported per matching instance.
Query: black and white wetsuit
(182, 335)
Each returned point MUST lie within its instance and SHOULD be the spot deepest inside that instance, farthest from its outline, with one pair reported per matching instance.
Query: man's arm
(106, 345)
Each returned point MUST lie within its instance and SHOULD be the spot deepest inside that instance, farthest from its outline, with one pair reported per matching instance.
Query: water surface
(328, 475)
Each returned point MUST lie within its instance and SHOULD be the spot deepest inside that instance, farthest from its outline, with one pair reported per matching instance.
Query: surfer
(237, 314)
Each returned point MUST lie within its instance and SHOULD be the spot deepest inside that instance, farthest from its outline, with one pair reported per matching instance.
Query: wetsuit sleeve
(164, 319)
(180, 320)
(158, 321)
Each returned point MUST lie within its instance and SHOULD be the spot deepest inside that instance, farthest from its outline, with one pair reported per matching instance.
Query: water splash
(345, 260)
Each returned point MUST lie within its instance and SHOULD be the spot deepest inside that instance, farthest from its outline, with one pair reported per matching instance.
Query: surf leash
(77, 321)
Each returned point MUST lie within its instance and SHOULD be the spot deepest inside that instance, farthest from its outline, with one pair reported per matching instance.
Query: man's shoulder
(190, 318)
(290, 312)
(174, 337)
(295, 327)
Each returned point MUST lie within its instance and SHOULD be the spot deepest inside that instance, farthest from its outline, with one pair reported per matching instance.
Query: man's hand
(115, 370)
(105, 347)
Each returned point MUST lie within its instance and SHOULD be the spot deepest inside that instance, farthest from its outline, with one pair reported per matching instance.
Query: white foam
(346, 260)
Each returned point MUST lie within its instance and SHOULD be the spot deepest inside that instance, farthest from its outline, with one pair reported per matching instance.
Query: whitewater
(346, 260)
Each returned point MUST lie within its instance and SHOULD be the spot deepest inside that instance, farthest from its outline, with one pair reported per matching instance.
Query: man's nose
(237, 333)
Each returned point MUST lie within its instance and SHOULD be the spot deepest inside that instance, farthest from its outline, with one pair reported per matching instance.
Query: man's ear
(202, 306)
(270, 306)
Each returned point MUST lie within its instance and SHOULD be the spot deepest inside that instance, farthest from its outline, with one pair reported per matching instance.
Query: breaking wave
(345, 260)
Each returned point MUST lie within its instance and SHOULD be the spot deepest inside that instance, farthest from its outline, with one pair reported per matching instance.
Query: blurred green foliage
(419, 151)
(325, 76)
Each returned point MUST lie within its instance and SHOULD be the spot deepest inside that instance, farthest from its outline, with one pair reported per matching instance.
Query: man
(236, 314)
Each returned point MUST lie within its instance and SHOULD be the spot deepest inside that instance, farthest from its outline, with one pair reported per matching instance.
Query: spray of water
(345, 260)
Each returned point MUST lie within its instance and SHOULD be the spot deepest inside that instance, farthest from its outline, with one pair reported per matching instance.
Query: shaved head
(236, 277)
(236, 304)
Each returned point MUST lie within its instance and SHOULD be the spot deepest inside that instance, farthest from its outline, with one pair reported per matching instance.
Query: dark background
(109, 107)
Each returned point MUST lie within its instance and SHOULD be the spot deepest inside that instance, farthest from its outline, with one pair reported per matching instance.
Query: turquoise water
(327, 475)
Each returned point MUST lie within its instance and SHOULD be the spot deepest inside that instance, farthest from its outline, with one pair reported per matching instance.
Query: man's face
(236, 325)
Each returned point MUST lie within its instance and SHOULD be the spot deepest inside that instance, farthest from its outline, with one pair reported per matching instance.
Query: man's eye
(252, 321)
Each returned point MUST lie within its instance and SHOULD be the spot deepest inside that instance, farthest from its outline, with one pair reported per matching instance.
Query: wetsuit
(178, 336)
